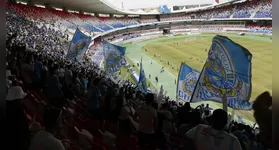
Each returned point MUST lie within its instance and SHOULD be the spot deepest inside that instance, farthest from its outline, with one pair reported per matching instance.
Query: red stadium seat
(83, 138)
(101, 143)
(70, 130)
(95, 146)
(28, 117)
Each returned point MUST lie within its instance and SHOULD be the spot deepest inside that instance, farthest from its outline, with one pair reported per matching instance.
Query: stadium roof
(102, 6)
(91, 6)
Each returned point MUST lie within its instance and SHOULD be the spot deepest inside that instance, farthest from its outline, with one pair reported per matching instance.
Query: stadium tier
(61, 96)
(88, 23)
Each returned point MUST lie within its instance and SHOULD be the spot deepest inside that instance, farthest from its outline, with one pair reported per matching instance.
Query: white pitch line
(257, 54)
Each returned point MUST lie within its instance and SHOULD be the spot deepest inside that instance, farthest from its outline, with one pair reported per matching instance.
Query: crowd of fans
(34, 35)
(55, 103)
(92, 24)
(265, 10)
(265, 29)
(245, 11)
(222, 12)
(173, 18)
(260, 9)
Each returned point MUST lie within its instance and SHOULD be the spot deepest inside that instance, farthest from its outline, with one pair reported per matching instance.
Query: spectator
(147, 118)
(184, 113)
(94, 100)
(9, 78)
(263, 115)
(195, 119)
(45, 139)
(76, 84)
(68, 75)
(44, 73)
(214, 137)
(27, 71)
(125, 126)
(17, 124)
(207, 107)
(38, 67)
(53, 90)
(168, 126)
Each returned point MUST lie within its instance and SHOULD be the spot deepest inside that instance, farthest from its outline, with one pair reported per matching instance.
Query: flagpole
(232, 116)
(104, 49)
(140, 68)
(178, 81)
(225, 102)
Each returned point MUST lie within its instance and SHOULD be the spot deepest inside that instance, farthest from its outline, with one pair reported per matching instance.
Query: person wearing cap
(45, 139)
(214, 137)
(17, 122)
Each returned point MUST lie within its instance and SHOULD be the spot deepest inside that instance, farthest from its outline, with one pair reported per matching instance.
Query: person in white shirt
(45, 139)
(207, 107)
(214, 137)
(147, 118)
(125, 126)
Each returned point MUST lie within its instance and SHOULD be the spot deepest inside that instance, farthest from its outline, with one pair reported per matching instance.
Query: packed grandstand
(60, 111)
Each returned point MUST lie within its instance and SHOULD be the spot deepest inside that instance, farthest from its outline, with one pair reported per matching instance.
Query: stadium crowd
(93, 25)
(265, 10)
(55, 103)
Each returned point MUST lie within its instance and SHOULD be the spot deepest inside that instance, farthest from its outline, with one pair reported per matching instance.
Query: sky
(133, 4)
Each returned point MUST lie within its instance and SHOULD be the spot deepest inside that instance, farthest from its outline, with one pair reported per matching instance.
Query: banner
(164, 9)
(113, 56)
(142, 80)
(78, 46)
(187, 80)
(226, 75)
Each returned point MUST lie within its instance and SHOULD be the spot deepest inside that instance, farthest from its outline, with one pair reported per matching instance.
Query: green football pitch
(169, 52)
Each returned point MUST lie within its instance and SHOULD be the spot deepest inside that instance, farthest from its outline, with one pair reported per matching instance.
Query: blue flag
(142, 80)
(187, 80)
(113, 56)
(226, 74)
(78, 46)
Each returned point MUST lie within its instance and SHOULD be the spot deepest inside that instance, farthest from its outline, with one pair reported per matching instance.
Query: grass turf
(124, 72)
(181, 52)
(195, 46)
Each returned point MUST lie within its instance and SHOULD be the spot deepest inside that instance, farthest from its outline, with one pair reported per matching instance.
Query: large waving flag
(78, 46)
(226, 75)
(142, 80)
(113, 56)
(187, 80)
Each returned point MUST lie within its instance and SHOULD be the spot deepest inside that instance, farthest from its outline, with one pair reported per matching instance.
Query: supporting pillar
(65, 9)
(81, 12)
(47, 5)
(30, 2)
